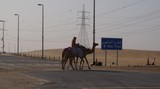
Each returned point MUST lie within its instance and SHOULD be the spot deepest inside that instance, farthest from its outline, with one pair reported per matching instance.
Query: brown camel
(82, 53)
(65, 57)
(71, 53)
(86, 52)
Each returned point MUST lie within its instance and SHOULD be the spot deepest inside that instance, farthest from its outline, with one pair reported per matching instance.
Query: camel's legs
(63, 60)
(71, 59)
(81, 64)
(76, 63)
(64, 63)
(68, 66)
(87, 63)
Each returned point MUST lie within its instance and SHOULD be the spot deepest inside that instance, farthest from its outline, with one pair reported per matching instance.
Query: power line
(129, 22)
(117, 9)
(141, 31)
(132, 18)
(136, 32)
(26, 40)
(49, 27)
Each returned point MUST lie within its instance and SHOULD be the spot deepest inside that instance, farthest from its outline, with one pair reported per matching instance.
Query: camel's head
(95, 44)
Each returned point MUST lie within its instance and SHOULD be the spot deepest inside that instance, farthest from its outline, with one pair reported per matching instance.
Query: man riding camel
(73, 42)
(75, 46)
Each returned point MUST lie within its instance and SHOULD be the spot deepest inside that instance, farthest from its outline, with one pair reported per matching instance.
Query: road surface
(84, 79)
(93, 79)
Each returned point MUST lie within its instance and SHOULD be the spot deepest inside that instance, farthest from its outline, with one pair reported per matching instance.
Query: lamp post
(42, 29)
(17, 35)
(93, 29)
(3, 36)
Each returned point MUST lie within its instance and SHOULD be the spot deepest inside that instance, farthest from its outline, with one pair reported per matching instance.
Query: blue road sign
(111, 43)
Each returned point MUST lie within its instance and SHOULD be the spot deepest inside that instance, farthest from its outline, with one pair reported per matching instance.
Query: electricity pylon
(83, 36)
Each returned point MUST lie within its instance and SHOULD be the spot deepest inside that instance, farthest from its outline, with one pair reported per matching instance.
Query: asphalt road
(94, 79)
(86, 79)
(10, 62)
(9, 59)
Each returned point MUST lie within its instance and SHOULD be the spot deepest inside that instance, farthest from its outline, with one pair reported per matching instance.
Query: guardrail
(38, 56)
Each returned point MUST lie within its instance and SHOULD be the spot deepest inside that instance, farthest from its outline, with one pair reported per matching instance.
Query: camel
(71, 53)
(65, 57)
(86, 52)
(82, 53)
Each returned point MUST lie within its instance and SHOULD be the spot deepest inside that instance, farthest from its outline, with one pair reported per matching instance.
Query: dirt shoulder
(16, 80)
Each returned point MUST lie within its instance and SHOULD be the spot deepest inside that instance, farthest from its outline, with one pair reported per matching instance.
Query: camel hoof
(80, 68)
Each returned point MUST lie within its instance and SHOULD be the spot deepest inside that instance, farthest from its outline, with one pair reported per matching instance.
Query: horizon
(98, 49)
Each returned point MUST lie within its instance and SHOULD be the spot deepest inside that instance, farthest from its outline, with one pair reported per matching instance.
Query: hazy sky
(136, 21)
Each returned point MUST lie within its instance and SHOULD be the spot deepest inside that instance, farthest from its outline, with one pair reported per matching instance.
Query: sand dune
(126, 57)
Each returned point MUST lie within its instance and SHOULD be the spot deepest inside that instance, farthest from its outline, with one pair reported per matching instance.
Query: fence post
(59, 58)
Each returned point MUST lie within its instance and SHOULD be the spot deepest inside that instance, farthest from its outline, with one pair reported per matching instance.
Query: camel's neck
(92, 50)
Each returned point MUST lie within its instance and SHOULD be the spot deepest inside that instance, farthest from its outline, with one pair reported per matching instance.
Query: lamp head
(2, 21)
(15, 14)
(39, 4)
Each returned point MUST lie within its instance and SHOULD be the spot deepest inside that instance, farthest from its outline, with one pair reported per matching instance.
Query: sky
(137, 22)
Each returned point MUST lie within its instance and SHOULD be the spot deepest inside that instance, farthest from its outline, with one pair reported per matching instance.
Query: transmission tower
(83, 36)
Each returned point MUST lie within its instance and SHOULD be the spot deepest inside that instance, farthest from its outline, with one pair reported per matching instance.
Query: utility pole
(3, 37)
(17, 35)
(42, 29)
(9, 47)
(93, 29)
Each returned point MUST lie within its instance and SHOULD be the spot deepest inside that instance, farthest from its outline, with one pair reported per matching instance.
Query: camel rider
(74, 46)
(74, 42)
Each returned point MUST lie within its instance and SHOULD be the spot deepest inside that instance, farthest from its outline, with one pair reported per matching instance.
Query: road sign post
(105, 57)
(111, 44)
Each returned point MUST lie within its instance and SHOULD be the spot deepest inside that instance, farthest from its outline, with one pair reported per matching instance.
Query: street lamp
(17, 35)
(93, 29)
(3, 36)
(42, 29)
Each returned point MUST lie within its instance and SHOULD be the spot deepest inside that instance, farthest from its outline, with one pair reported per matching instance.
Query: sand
(126, 57)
